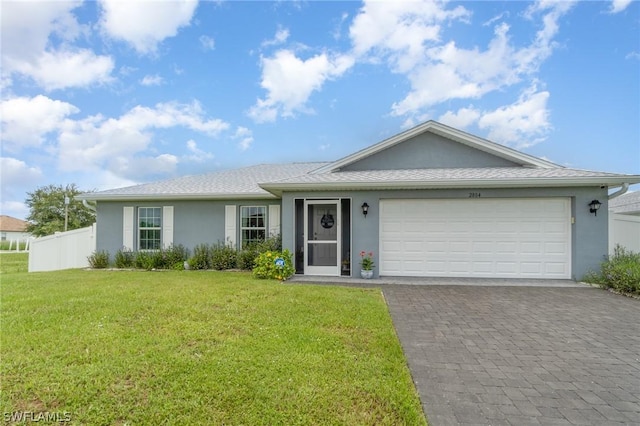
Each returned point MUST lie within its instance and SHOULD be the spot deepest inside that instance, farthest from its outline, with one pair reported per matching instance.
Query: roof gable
(434, 145)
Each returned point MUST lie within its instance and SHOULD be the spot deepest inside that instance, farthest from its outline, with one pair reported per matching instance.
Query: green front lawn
(131, 347)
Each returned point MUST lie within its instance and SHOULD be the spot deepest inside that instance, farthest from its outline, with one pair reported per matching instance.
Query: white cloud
(26, 121)
(400, 30)
(28, 49)
(115, 144)
(145, 24)
(407, 36)
(461, 119)
(521, 124)
(619, 5)
(282, 34)
(142, 166)
(17, 177)
(245, 137)
(197, 155)
(152, 80)
(207, 43)
(62, 69)
(290, 81)
(14, 209)
(17, 172)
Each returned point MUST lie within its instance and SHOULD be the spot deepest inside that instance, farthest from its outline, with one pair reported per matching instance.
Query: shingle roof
(12, 224)
(443, 178)
(236, 183)
(627, 203)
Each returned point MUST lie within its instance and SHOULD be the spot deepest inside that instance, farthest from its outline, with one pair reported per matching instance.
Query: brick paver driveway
(520, 355)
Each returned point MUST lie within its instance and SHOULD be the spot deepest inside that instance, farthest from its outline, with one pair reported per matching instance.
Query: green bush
(247, 257)
(158, 259)
(124, 259)
(144, 260)
(620, 272)
(267, 267)
(273, 243)
(201, 258)
(99, 259)
(223, 256)
(175, 256)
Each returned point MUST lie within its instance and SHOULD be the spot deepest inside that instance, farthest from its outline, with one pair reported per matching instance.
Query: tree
(47, 210)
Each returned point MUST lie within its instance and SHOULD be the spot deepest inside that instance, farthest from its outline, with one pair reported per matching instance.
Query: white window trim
(243, 228)
(152, 228)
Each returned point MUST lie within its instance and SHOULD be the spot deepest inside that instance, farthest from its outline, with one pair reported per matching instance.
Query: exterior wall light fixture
(594, 206)
(365, 209)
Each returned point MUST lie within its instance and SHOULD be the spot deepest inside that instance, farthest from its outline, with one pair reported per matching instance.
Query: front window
(253, 224)
(150, 227)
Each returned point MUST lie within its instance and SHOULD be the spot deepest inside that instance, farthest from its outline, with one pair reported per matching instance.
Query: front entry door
(322, 237)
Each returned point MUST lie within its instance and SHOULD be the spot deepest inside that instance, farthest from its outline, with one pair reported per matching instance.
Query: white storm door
(322, 237)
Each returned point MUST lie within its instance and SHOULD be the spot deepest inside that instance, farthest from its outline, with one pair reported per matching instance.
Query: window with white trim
(253, 224)
(149, 228)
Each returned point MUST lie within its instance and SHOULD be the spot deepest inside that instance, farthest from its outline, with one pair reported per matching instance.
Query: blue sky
(112, 93)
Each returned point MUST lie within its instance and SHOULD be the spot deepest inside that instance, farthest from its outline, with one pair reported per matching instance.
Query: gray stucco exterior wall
(589, 233)
(429, 150)
(195, 222)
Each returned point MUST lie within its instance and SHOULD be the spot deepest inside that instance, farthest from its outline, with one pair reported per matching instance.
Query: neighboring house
(628, 203)
(13, 229)
(441, 202)
(624, 222)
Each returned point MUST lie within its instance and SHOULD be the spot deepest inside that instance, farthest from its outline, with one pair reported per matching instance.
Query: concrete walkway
(476, 282)
(520, 355)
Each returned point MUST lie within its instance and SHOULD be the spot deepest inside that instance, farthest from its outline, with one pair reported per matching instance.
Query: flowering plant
(367, 261)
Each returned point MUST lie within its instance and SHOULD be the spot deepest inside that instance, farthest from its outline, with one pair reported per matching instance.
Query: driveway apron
(520, 355)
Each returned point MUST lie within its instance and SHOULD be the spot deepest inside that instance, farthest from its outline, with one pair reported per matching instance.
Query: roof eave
(278, 189)
(157, 197)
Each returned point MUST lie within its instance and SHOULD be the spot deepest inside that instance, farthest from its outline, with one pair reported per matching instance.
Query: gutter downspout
(93, 207)
(621, 191)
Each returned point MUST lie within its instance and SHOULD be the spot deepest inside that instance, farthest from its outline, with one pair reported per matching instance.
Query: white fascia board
(445, 131)
(155, 197)
(442, 184)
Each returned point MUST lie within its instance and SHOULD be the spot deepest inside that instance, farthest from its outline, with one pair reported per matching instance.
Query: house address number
(474, 195)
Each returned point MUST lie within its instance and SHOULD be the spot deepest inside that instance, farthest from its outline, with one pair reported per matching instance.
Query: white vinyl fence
(624, 229)
(63, 250)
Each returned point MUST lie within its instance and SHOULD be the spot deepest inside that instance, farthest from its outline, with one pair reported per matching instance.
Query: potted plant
(366, 264)
(346, 265)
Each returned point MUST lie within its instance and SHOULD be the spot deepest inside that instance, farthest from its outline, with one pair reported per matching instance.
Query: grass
(4, 245)
(189, 347)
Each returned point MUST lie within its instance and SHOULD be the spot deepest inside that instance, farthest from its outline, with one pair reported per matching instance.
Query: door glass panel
(322, 254)
(322, 222)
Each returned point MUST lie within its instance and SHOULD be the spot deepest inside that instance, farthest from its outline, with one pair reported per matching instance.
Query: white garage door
(510, 238)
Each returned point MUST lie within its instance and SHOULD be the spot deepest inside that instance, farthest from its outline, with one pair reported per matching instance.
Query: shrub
(223, 256)
(175, 256)
(267, 266)
(144, 260)
(124, 259)
(620, 272)
(99, 259)
(158, 259)
(247, 257)
(273, 243)
(201, 258)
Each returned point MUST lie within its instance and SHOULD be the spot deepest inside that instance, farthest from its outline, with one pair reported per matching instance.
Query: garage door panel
(480, 237)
